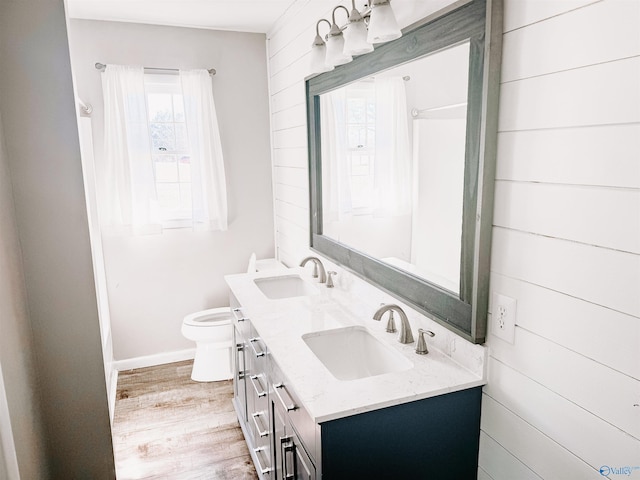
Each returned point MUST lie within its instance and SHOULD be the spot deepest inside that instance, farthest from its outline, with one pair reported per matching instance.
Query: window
(164, 165)
(361, 144)
(169, 148)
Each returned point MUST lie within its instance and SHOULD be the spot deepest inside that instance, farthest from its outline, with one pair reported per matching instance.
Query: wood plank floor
(168, 427)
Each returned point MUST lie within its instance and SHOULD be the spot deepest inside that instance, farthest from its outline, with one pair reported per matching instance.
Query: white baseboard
(152, 360)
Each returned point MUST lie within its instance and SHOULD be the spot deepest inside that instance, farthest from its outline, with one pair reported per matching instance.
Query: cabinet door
(296, 464)
(239, 375)
(278, 421)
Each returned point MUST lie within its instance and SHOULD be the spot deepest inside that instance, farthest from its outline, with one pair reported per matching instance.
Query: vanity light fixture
(383, 26)
(335, 43)
(355, 34)
(375, 24)
(319, 51)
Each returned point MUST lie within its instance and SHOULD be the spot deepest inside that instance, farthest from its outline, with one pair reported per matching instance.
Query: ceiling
(236, 15)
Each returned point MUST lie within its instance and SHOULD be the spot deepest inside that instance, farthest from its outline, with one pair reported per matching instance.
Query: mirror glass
(393, 160)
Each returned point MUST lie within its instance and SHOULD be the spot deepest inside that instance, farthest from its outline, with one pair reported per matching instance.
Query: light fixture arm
(335, 30)
(318, 40)
(357, 15)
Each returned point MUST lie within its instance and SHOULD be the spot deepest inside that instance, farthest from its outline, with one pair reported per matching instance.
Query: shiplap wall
(562, 401)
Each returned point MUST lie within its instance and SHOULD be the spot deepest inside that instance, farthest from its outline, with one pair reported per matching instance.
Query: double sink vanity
(322, 390)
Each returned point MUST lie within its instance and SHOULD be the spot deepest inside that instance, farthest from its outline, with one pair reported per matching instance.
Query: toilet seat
(208, 318)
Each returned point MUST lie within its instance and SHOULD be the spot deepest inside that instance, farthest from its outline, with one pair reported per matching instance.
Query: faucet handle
(330, 278)
(421, 348)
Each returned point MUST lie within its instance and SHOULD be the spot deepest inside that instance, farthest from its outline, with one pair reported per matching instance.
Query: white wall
(48, 236)
(562, 401)
(155, 280)
(20, 426)
(566, 243)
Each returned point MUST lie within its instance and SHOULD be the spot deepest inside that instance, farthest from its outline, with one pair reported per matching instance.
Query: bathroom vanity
(305, 418)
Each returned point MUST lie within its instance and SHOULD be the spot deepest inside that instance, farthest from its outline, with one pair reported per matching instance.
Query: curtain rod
(102, 66)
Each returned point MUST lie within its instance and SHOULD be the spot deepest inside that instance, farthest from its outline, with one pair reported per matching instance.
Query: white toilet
(212, 331)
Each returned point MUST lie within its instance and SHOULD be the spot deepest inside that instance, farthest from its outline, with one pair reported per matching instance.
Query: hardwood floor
(168, 427)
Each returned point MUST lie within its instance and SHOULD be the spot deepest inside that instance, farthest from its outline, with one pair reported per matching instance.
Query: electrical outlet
(503, 317)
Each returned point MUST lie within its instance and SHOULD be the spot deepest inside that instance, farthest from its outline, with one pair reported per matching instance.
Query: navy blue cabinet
(434, 438)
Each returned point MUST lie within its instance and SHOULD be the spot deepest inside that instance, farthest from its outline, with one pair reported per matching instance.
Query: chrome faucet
(405, 329)
(317, 267)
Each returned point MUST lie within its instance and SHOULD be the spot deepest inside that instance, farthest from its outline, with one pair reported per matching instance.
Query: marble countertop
(281, 324)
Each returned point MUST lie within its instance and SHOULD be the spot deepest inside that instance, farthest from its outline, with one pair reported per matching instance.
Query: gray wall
(43, 158)
(155, 280)
(16, 345)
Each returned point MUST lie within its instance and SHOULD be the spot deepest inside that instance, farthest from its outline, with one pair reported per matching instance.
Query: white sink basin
(352, 352)
(285, 287)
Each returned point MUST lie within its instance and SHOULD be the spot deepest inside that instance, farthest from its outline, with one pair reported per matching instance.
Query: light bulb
(335, 51)
(355, 35)
(317, 62)
(383, 25)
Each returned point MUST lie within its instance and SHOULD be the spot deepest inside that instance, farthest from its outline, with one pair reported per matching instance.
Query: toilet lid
(208, 318)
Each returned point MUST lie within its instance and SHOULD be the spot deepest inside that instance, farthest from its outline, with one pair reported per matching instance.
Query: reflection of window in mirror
(368, 166)
(393, 153)
(360, 117)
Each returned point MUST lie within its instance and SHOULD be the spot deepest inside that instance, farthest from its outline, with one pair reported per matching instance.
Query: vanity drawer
(241, 322)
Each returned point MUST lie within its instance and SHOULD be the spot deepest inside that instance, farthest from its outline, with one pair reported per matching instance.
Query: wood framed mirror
(402, 147)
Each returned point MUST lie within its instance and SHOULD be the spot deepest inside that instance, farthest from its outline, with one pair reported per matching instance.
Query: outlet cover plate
(503, 317)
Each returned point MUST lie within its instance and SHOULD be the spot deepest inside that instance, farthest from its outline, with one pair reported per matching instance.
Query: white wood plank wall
(562, 401)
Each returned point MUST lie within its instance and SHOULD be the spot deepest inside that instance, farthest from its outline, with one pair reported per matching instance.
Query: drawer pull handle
(258, 451)
(239, 316)
(287, 446)
(260, 353)
(260, 392)
(240, 360)
(262, 433)
(290, 406)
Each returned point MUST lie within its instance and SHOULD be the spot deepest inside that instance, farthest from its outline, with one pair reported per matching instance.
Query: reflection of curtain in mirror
(393, 150)
(336, 182)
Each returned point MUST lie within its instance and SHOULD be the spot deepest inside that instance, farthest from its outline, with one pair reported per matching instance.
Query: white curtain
(208, 184)
(336, 181)
(131, 197)
(131, 204)
(393, 150)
